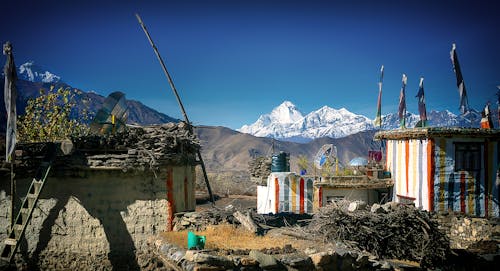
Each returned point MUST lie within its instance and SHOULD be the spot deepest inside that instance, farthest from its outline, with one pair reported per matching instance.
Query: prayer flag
(421, 103)
(10, 96)
(464, 104)
(402, 104)
(378, 118)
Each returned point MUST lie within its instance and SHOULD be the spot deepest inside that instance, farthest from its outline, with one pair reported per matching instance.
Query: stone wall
(466, 231)
(105, 216)
(332, 258)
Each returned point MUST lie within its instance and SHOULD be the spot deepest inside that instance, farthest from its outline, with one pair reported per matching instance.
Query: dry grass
(227, 236)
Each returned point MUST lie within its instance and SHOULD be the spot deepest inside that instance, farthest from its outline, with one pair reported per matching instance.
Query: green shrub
(52, 116)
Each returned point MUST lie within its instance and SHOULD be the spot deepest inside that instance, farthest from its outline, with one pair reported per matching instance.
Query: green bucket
(195, 241)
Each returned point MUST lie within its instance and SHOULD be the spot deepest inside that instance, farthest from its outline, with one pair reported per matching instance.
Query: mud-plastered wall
(104, 216)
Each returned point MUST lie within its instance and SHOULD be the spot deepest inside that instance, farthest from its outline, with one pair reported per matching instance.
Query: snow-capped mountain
(330, 122)
(275, 124)
(29, 71)
(391, 121)
(434, 119)
(287, 122)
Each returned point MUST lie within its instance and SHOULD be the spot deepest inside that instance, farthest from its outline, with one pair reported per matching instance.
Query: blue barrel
(280, 162)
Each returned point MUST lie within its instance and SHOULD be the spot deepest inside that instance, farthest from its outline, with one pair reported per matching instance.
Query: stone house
(445, 169)
(106, 198)
(364, 188)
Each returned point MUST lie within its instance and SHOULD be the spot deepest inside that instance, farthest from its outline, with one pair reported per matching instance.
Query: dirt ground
(227, 237)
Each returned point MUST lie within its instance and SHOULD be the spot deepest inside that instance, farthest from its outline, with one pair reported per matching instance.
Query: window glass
(467, 156)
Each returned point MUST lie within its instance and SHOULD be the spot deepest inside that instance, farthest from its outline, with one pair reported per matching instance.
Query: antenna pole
(171, 82)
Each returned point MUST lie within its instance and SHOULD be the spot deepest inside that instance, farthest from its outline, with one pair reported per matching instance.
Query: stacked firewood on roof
(393, 231)
(142, 147)
(136, 148)
(260, 167)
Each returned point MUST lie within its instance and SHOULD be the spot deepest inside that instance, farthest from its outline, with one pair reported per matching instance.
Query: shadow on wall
(105, 196)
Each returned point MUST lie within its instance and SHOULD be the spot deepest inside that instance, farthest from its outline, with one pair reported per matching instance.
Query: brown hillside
(224, 149)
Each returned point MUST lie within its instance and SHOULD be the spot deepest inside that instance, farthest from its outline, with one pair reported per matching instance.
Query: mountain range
(32, 78)
(226, 150)
(286, 122)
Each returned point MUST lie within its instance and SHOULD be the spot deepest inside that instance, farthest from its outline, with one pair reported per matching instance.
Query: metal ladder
(28, 205)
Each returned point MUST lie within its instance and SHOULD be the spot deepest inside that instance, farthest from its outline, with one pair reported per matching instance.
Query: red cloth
(375, 155)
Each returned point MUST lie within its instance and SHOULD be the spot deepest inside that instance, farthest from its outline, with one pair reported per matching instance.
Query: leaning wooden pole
(12, 193)
(172, 86)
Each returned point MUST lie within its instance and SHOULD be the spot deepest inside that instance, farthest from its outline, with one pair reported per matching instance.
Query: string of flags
(486, 121)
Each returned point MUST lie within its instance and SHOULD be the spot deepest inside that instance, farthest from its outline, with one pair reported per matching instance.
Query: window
(468, 156)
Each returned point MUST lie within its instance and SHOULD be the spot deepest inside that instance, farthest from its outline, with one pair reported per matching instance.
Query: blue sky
(234, 60)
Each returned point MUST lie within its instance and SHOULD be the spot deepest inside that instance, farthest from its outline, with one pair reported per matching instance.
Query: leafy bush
(52, 116)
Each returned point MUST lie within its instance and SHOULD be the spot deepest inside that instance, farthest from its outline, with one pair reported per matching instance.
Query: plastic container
(280, 162)
(195, 241)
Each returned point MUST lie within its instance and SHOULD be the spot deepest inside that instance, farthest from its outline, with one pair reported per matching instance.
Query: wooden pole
(12, 192)
(172, 86)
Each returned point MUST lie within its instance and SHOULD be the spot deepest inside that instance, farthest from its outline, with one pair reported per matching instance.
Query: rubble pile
(282, 219)
(198, 221)
(465, 231)
(388, 231)
(260, 167)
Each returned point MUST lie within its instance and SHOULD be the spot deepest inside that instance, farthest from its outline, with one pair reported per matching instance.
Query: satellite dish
(325, 153)
(112, 116)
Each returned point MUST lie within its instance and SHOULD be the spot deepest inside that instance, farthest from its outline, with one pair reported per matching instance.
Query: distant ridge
(286, 122)
(224, 149)
(32, 78)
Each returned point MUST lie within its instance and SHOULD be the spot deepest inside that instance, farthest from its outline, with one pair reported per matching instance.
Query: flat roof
(146, 148)
(430, 132)
(354, 182)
